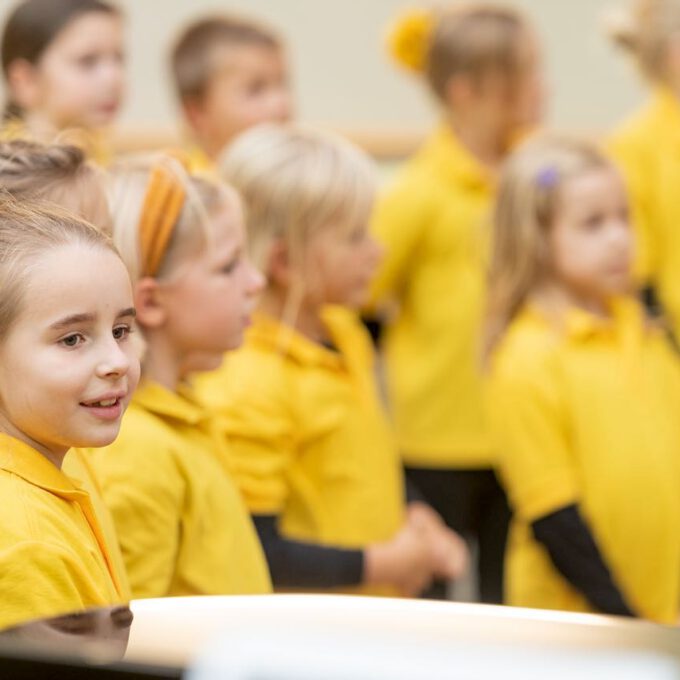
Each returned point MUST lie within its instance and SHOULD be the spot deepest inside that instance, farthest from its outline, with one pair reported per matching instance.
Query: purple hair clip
(547, 177)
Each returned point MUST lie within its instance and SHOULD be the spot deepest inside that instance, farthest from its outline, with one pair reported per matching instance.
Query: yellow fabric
(588, 414)
(198, 162)
(181, 522)
(432, 223)
(78, 468)
(307, 434)
(94, 144)
(54, 558)
(647, 149)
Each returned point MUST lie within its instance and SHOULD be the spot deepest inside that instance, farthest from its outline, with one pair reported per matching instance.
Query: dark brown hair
(33, 25)
(193, 54)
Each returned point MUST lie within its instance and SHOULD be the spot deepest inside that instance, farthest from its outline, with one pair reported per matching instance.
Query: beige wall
(342, 75)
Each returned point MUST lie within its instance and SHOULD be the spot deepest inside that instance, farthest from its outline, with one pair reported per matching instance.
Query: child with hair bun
(482, 63)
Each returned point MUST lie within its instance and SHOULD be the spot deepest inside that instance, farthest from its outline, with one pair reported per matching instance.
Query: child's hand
(405, 562)
(449, 553)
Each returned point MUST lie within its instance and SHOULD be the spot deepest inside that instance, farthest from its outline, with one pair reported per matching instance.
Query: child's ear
(22, 78)
(150, 310)
(459, 91)
(279, 271)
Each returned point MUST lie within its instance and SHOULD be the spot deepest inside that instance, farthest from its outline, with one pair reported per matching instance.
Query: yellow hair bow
(408, 39)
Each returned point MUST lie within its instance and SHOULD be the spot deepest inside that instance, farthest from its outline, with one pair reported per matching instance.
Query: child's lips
(109, 408)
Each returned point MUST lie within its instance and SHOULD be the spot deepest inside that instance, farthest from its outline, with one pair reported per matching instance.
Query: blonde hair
(644, 31)
(128, 182)
(28, 230)
(526, 207)
(469, 39)
(58, 173)
(294, 182)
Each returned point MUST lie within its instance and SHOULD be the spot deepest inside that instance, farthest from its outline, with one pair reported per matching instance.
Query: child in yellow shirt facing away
(230, 73)
(64, 71)
(312, 450)
(483, 64)
(30, 171)
(646, 147)
(181, 522)
(67, 371)
(584, 394)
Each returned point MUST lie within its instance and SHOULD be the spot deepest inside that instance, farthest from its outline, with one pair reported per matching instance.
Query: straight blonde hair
(526, 207)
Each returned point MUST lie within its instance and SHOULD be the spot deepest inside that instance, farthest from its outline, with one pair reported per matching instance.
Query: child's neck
(304, 316)
(487, 146)
(55, 457)
(40, 128)
(162, 363)
(557, 299)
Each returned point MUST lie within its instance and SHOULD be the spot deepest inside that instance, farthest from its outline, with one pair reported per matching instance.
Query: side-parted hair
(27, 231)
(527, 204)
(32, 27)
(193, 58)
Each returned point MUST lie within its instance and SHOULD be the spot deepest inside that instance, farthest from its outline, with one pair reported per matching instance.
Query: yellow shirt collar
(271, 333)
(454, 161)
(24, 461)
(178, 405)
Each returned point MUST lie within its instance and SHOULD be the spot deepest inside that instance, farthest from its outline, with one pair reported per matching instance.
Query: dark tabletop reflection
(98, 635)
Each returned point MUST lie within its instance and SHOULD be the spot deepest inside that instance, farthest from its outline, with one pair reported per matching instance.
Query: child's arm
(573, 550)
(405, 563)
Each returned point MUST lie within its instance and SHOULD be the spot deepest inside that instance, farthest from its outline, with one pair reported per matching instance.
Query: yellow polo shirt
(198, 162)
(589, 414)
(54, 559)
(78, 467)
(647, 149)
(181, 522)
(307, 434)
(432, 222)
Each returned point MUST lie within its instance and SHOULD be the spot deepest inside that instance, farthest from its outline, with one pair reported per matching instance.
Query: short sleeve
(529, 426)
(39, 580)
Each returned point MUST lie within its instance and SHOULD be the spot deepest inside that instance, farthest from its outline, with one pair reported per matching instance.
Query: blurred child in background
(229, 73)
(646, 147)
(64, 70)
(312, 450)
(182, 525)
(483, 64)
(584, 394)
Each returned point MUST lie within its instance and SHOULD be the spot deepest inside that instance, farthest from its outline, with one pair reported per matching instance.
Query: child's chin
(96, 440)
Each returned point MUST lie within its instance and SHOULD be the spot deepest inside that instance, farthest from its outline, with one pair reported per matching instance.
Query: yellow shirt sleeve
(40, 580)
(526, 418)
(398, 223)
(143, 494)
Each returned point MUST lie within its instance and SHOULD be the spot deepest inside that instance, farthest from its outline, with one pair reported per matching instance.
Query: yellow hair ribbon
(162, 205)
(408, 39)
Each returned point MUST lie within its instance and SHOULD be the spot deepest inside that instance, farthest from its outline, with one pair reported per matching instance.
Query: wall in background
(343, 77)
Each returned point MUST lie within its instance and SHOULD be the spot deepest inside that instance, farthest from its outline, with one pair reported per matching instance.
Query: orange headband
(162, 205)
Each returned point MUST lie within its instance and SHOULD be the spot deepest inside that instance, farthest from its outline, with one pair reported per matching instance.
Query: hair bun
(408, 39)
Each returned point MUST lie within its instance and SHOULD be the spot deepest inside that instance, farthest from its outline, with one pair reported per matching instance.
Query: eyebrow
(74, 319)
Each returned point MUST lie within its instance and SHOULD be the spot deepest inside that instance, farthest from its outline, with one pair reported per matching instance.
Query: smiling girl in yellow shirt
(67, 372)
(584, 394)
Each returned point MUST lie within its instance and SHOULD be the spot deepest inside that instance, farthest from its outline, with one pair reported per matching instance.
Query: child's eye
(88, 61)
(231, 266)
(72, 340)
(122, 332)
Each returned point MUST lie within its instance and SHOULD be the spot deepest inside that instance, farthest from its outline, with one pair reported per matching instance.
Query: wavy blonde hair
(526, 207)
(645, 31)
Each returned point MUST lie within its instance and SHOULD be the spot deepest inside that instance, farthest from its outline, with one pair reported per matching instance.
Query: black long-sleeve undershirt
(295, 564)
(574, 552)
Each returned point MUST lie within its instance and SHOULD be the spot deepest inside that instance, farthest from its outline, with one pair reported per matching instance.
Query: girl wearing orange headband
(482, 63)
(182, 526)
